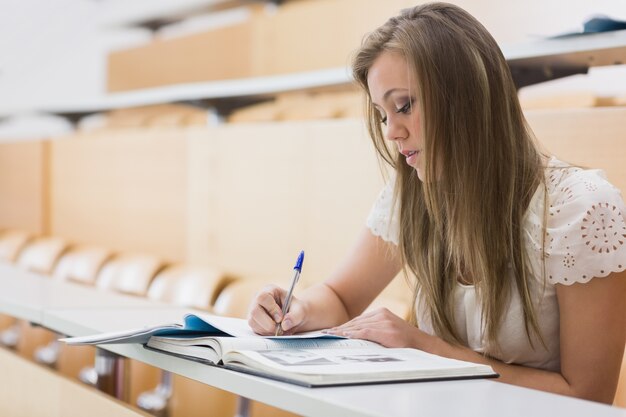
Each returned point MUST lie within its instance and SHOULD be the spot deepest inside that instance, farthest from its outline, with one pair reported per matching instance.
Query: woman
(517, 259)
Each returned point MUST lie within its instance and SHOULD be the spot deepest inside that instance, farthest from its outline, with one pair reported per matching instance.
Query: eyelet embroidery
(590, 186)
(595, 239)
(565, 196)
(603, 228)
(580, 243)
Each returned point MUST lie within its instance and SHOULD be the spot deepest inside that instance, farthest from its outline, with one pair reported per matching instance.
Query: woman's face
(393, 90)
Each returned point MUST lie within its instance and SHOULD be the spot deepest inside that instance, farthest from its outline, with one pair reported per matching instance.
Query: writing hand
(266, 311)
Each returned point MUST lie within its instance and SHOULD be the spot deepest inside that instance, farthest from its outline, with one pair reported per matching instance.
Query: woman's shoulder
(383, 218)
(585, 227)
(567, 183)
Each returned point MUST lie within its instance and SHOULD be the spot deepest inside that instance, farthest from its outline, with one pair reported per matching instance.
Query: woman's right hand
(265, 312)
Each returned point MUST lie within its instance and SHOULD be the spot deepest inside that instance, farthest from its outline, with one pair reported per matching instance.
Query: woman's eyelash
(405, 108)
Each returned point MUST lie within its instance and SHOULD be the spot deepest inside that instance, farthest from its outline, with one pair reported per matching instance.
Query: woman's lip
(410, 158)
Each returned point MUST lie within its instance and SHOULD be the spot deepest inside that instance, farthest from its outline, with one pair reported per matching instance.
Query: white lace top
(586, 238)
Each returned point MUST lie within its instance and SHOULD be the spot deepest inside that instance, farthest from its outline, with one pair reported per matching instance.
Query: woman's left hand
(385, 328)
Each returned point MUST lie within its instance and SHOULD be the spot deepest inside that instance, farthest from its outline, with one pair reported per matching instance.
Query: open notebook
(311, 359)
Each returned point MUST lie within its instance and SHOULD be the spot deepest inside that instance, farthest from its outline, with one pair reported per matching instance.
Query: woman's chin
(420, 174)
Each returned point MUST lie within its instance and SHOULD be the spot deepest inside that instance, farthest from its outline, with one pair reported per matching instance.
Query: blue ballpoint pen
(297, 268)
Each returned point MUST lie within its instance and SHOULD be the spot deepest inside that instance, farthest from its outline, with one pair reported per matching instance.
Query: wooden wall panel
(308, 35)
(248, 197)
(589, 137)
(294, 39)
(23, 186)
(342, 181)
(122, 190)
(259, 193)
(201, 199)
(32, 390)
(257, 197)
(193, 58)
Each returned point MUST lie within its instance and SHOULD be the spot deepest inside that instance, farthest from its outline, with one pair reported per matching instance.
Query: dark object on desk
(595, 25)
(571, 53)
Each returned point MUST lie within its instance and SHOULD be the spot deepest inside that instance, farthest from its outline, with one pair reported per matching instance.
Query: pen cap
(298, 265)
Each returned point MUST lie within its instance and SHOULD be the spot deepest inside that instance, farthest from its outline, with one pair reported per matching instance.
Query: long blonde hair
(482, 165)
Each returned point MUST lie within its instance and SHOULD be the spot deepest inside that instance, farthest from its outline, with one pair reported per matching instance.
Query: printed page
(231, 344)
(380, 364)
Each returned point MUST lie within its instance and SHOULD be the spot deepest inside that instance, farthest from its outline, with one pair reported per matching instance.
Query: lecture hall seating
(185, 286)
(40, 255)
(79, 265)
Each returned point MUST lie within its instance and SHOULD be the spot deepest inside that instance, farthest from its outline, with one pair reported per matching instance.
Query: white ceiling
(57, 48)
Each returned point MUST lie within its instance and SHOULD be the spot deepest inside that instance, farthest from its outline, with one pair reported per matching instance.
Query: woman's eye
(404, 109)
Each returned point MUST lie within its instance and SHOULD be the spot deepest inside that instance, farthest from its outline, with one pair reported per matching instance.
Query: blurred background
(185, 151)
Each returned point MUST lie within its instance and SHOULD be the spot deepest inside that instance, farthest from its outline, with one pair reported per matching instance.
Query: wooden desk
(27, 295)
(473, 398)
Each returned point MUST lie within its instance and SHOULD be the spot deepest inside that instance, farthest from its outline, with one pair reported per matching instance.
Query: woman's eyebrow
(393, 90)
(388, 93)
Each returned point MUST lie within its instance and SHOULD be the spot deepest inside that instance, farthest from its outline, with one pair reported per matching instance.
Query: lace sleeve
(383, 217)
(585, 228)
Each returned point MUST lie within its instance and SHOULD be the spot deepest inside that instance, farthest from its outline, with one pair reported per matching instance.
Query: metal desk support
(112, 375)
(243, 407)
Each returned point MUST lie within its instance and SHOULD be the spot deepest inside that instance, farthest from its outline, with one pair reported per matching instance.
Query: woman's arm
(593, 333)
(367, 270)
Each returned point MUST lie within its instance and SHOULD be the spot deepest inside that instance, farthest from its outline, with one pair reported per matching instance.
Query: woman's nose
(395, 131)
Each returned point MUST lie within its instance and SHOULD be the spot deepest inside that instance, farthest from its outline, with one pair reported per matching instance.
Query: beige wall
(125, 190)
(247, 198)
(273, 189)
(593, 138)
(33, 390)
(23, 186)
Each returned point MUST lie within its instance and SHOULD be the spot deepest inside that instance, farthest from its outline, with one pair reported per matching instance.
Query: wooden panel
(285, 43)
(589, 137)
(201, 199)
(259, 193)
(23, 186)
(195, 399)
(342, 180)
(125, 190)
(309, 35)
(259, 196)
(199, 57)
(55, 395)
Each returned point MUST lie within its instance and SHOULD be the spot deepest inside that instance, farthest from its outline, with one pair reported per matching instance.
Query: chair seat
(11, 244)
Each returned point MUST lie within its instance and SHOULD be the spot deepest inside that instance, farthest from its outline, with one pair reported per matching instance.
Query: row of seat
(138, 275)
(293, 106)
(338, 104)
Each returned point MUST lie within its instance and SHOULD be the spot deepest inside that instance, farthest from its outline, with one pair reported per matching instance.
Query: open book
(311, 359)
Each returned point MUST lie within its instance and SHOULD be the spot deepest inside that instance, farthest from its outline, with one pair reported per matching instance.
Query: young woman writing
(516, 258)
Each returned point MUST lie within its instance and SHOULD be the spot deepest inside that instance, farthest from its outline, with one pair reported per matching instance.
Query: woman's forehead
(388, 75)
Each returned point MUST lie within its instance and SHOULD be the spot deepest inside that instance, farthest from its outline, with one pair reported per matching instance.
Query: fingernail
(277, 317)
(286, 324)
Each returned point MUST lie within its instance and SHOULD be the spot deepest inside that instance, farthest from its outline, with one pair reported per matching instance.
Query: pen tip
(299, 261)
